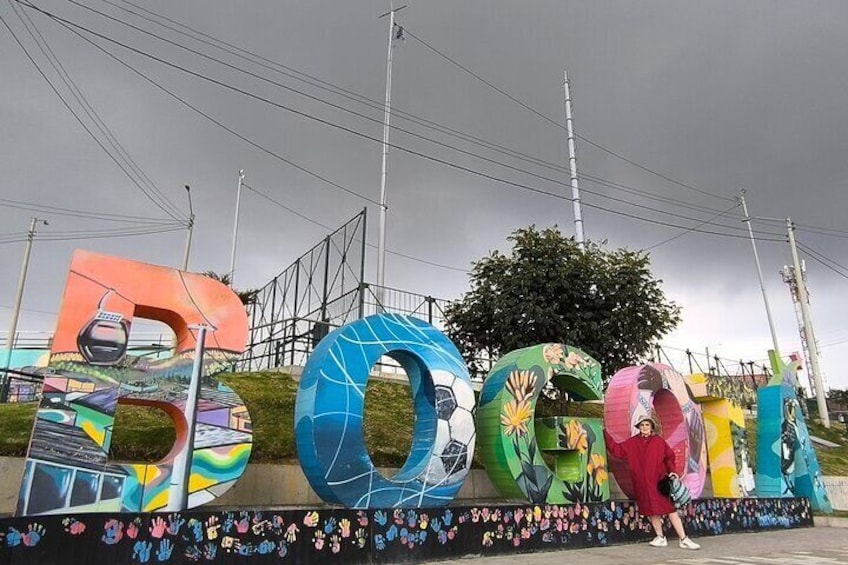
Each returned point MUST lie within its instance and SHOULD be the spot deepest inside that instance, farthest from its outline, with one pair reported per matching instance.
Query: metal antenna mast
(572, 164)
(235, 228)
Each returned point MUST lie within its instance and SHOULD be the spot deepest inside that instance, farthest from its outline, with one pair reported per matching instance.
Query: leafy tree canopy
(247, 297)
(605, 302)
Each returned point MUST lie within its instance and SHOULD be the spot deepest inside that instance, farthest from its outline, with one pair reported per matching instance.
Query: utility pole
(16, 309)
(235, 228)
(572, 165)
(387, 115)
(190, 229)
(747, 220)
(807, 326)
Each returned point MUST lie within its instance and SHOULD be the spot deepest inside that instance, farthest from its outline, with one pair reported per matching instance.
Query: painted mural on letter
(90, 373)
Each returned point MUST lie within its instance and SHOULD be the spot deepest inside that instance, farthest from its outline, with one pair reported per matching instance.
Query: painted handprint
(210, 550)
(335, 543)
(165, 549)
(175, 522)
(73, 526)
(132, 528)
(113, 531)
(380, 517)
(265, 547)
(157, 527)
(310, 519)
(195, 528)
(329, 525)
(141, 551)
(318, 540)
(13, 537)
(291, 533)
(344, 527)
(243, 522)
(33, 535)
(212, 527)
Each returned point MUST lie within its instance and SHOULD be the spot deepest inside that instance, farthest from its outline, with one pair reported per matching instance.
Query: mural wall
(90, 372)
(366, 536)
(511, 444)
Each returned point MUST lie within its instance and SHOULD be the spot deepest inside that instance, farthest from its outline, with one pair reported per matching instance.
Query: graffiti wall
(90, 372)
(364, 536)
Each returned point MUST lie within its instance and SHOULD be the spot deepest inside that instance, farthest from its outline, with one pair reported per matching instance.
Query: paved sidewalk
(807, 546)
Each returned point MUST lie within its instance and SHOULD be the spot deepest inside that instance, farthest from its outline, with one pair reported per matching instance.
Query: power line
(373, 246)
(820, 258)
(79, 119)
(59, 211)
(352, 131)
(557, 124)
(681, 234)
(376, 120)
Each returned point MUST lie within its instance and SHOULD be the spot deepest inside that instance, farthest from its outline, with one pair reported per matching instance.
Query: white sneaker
(660, 541)
(686, 543)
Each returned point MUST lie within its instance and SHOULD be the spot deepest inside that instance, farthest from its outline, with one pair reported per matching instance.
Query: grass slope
(145, 434)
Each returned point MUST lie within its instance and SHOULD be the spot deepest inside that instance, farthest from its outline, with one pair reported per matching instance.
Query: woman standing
(650, 459)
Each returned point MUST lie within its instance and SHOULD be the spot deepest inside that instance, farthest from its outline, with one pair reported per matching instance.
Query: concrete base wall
(278, 486)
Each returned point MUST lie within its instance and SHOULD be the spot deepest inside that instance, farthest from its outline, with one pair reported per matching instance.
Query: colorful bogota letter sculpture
(90, 372)
(634, 393)
(786, 463)
(510, 443)
(329, 411)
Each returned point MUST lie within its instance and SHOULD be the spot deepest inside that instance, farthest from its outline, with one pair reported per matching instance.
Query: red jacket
(650, 459)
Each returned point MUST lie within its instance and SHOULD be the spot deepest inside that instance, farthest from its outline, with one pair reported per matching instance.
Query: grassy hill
(145, 434)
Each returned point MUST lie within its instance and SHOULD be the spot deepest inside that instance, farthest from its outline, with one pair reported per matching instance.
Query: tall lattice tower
(796, 291)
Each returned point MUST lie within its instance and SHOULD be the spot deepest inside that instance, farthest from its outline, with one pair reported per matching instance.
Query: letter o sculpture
(329, 413)
(632, 394)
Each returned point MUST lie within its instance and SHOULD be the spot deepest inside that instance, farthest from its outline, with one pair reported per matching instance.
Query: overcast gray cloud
(718, 95)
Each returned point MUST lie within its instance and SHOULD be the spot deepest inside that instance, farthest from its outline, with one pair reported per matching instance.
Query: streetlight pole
(190, 229)
(747, 220)
(387, 115)
(235, 228)
(572, 164)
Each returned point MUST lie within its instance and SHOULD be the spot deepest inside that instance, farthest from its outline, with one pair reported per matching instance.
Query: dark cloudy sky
(714, 95)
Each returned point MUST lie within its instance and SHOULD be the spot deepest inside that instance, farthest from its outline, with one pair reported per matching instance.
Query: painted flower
(515, 417)
(573, 360)
(521, 385)
(553, 353)
(575, 437)
(597, 468)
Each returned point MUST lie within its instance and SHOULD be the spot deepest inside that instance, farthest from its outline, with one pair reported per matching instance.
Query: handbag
(672, 487)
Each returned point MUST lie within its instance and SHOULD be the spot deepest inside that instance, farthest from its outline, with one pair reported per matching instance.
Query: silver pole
(190, 229)
(235, 227)
(809, 334)
(387, 114)
(572, 164)
(181, 471)
(747, 220)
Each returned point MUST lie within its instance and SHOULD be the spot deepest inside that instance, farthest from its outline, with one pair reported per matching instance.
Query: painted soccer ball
(453, 448)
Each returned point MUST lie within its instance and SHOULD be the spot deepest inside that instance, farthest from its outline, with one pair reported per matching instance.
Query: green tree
(247, 297)
(605, 302)
(838, 398)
